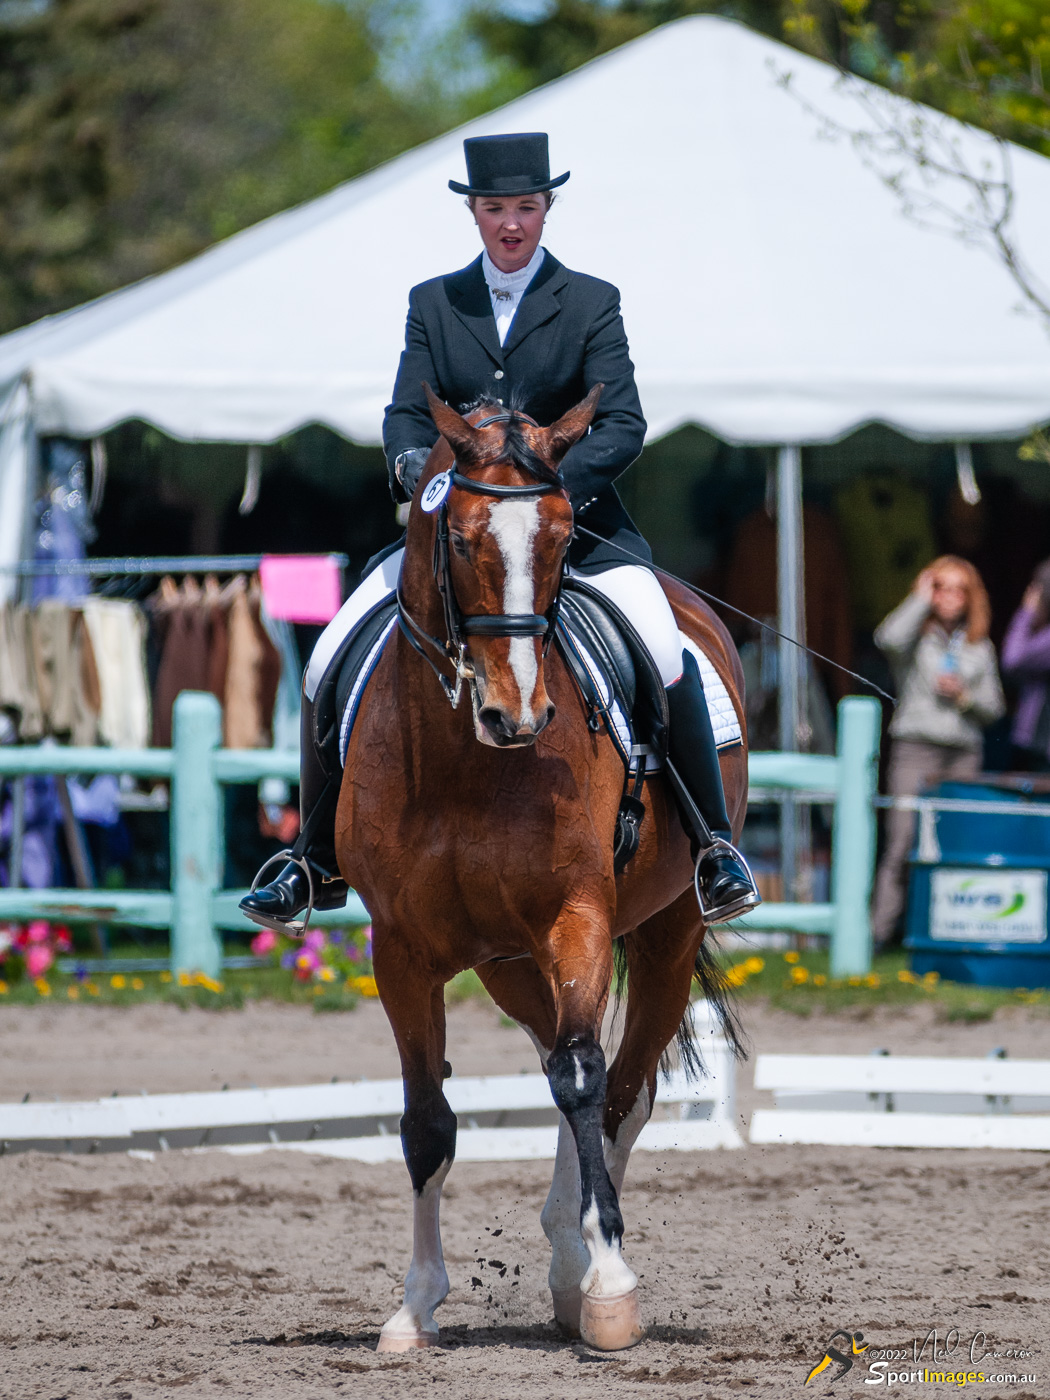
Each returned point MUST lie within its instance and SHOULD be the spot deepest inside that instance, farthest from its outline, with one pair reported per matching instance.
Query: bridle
(460, 626)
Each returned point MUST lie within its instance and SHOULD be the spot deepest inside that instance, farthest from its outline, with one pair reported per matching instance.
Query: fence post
(853, 836)
(196, 816)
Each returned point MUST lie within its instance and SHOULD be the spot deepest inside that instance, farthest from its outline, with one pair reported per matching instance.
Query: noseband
(459, 626)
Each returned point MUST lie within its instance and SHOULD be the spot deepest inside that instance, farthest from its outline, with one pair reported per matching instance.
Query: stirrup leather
(722, 914)
(294, 928)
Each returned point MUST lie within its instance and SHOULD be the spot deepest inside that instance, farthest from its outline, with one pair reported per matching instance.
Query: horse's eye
(461, 547)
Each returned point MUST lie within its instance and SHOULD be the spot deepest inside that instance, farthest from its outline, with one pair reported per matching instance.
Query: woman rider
(518, 327)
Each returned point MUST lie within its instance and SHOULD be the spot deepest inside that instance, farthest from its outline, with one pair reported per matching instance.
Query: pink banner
(301, 587)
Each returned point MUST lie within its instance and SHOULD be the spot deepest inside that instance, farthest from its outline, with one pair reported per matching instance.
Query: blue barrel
(978, 913)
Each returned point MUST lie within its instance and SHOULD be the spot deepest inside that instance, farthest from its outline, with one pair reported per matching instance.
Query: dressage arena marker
(881, 1100)
(359, 1121)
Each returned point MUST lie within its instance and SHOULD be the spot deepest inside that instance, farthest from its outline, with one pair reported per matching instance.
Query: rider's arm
(618, 429)
(408, 423)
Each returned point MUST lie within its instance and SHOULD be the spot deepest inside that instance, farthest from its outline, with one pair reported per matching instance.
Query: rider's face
(510, 227)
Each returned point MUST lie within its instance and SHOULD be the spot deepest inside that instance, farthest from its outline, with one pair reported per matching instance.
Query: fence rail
(197, 907)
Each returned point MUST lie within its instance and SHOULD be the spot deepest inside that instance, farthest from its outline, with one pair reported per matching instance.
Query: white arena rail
(881, 1100)
(501, 1117)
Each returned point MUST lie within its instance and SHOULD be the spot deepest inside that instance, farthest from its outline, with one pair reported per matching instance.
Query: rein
(460, 626)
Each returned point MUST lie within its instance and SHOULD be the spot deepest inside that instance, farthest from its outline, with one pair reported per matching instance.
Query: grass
(798, 982)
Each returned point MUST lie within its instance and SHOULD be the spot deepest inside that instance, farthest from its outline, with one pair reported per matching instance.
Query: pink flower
(315, 939)
(264, 942)
(38, 931)
(38, 960)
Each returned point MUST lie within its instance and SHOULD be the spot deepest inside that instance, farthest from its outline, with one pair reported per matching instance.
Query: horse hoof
(567, 1304)
(406, 1341)
(611, 1324)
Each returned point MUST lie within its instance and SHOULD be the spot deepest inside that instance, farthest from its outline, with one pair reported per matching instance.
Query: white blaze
(514, 524)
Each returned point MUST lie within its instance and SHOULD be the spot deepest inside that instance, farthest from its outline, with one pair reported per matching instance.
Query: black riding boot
(275, 905)
(725, 883)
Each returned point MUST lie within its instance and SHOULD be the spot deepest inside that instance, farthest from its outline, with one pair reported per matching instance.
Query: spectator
(948, 690)
(1026, 656)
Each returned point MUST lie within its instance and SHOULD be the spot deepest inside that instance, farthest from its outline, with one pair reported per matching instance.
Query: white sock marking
(514, 524)
(426, 1285)
(609, 1275)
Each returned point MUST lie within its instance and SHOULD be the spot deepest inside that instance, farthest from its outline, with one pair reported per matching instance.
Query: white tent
(773, 289)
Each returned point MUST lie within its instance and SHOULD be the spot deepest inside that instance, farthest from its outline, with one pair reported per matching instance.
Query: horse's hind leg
(520, 990)
(661, 956)
(416, 1009)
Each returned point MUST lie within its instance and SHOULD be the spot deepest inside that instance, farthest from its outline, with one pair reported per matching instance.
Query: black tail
(709, 977)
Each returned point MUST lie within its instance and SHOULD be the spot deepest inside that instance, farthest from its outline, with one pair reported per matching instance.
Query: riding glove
(408, 468)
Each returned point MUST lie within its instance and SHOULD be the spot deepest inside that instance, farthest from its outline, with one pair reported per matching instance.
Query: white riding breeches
(632, 588)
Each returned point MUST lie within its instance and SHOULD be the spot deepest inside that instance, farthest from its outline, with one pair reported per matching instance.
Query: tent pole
(791, 620)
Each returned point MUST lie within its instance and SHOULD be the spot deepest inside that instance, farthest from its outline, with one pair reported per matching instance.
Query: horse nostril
(551, 712)
(496, 722)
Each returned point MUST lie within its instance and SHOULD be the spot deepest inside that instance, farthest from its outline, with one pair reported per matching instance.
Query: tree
(133, 133)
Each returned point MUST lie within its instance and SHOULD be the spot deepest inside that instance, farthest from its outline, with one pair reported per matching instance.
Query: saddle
(616, 677)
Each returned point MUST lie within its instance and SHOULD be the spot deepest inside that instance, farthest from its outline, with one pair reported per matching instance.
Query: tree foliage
(135, 132)
(985, 61)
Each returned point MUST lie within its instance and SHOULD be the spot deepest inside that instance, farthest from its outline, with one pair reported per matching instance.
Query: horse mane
(516, 445)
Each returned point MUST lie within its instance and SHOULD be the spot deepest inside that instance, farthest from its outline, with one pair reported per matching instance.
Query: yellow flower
(799, 975)
(208, 983)
(185, 980)
(906, 975)
(819, 980)
(118, 981)
(872, 979)
(165, 976)
(754, 965)
(930, 979)
(92, 988)
(791, 957)
(137, 984)
(73, 993)
(366, 986)
(4, 988)
(42, 986)
(854, 981)
(326, 974)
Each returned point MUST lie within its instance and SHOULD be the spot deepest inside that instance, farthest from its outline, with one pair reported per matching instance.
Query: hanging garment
(182, 619)
(66, 673)
(18, 688)
(117, 630)
(252, 673)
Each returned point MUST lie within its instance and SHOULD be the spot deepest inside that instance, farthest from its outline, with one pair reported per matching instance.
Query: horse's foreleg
(519, 989)
(428, 1138)
(609, 1317)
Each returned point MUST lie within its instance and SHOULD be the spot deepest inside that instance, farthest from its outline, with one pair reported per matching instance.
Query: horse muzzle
(500, 730)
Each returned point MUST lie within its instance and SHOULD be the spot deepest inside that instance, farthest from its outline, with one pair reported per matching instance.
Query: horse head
(502, 531)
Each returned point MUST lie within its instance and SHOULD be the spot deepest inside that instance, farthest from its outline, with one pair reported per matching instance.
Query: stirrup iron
(294, 928)
(722, 914)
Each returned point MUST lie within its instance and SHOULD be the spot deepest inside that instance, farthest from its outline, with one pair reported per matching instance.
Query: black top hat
(517, 164)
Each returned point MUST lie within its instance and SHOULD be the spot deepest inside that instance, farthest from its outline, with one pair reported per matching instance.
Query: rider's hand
(408, 468)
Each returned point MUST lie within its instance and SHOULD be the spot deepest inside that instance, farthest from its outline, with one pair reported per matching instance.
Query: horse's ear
(453, 427)
(571, 426)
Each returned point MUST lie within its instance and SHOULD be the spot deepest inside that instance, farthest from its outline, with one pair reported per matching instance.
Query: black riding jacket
(567, 335)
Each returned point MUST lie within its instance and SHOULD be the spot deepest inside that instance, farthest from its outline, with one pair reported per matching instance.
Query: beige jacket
(916, 657)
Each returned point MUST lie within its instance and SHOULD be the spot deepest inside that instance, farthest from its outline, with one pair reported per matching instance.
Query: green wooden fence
(196, 907)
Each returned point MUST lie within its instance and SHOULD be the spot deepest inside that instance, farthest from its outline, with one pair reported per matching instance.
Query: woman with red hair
(948, 691)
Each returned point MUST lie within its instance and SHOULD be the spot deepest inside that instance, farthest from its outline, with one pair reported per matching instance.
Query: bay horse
(481, 837)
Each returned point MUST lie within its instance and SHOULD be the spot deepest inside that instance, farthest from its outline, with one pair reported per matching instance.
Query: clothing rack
(142, 565)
